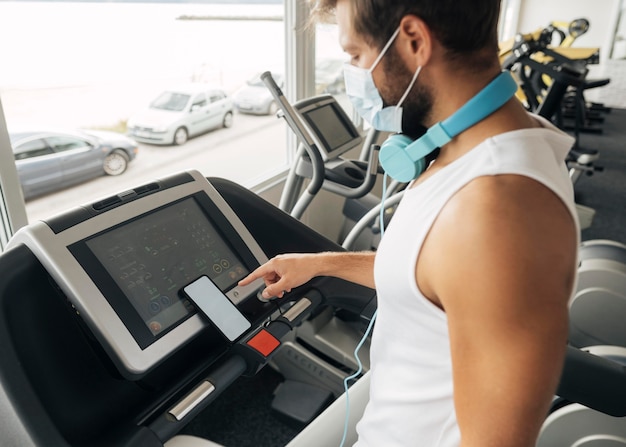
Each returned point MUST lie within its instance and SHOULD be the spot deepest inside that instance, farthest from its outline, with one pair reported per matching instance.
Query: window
(329, 62)
(62, 144)
(172, 101)
(216, 96)
(199, 101)
(32, 149)
(127, 54)
(509, 17)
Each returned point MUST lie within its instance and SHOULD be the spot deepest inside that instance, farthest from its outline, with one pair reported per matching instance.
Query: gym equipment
(545, 37)
(65, 377)
(564, 73)
(575, 29)
(599, 304)
(575, 113)
(99, 346)
(325, 133)
(125, 281)
(596, 337)
(591, 409)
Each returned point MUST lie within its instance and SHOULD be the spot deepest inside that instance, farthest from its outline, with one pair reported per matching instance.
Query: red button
(264, 342)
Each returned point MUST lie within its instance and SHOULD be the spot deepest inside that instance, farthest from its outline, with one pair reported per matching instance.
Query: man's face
(391, 76)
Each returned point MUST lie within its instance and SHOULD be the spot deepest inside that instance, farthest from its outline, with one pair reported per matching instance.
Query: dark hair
(465, 28)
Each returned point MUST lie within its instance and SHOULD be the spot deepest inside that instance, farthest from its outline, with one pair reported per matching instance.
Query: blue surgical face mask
(366, 99)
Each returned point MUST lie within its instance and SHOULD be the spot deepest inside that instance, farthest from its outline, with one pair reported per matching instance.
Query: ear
(416, 40)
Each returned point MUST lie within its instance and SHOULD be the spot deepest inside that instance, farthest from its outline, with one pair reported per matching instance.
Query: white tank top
(411, 393)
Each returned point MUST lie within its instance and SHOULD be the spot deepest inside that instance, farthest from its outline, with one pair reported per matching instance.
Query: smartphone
(215, 305)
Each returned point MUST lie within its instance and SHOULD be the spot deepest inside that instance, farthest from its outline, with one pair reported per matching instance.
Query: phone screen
(216, 306)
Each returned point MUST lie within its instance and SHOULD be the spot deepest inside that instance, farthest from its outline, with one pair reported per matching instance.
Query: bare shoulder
(509, 230)
(509, 208)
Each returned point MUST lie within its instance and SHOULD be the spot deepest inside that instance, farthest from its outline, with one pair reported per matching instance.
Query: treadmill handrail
(296, 125)
(594, 381)
(367, 219)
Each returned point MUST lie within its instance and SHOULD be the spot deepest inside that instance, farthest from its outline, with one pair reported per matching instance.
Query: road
(252, 146)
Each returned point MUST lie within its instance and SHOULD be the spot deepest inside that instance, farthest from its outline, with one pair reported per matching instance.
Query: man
(476, 268)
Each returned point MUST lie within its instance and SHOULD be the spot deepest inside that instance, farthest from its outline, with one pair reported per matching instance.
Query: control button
(261, 298)
(155, 307)
(264, 342)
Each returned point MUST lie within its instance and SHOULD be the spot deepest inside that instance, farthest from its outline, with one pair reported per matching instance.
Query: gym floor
(605, 191)
(242, 416)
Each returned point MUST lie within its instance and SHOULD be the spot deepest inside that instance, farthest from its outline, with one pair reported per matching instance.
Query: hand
(284, 272)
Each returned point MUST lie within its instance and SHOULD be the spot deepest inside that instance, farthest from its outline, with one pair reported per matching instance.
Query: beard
(417, 106)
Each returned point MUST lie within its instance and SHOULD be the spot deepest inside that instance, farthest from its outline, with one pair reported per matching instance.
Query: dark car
(51, 160)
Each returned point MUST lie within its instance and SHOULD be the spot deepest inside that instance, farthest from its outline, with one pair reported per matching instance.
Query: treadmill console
(328, 124)
(123, 263)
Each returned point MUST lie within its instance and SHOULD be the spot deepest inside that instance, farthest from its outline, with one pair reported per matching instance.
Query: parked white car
(180, 113)
(255, 98)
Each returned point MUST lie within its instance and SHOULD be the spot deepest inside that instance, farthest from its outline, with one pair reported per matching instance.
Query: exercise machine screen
(123, 262)
(329, 125)
(154, 256)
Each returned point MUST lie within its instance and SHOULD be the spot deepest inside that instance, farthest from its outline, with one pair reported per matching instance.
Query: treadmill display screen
(330, 127)
(152, 257)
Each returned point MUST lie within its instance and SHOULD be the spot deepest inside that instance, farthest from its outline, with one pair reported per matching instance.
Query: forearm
(284, 272)
(357, 267)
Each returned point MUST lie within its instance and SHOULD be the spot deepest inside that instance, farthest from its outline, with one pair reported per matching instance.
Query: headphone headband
(403, 159)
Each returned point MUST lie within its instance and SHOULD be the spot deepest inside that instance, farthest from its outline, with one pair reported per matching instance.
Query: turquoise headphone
(404, 159)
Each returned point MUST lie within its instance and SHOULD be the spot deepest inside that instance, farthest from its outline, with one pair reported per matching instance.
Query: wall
(602, 16)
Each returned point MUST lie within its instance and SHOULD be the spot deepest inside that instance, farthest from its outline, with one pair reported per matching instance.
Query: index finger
(259, 272)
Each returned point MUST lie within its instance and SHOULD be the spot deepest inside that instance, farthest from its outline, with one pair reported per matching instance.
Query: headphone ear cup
(397, 162)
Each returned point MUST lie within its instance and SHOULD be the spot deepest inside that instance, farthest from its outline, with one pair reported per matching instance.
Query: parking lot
(247, 150)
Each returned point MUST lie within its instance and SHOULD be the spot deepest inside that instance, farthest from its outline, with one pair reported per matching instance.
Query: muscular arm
(505, 292)
(284, 272)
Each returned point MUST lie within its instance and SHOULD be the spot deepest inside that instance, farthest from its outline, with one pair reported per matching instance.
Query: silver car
(180, 113)
(51, 160)
(255, 98)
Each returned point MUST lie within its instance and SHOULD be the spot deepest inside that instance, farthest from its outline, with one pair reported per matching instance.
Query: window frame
(12, 208)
